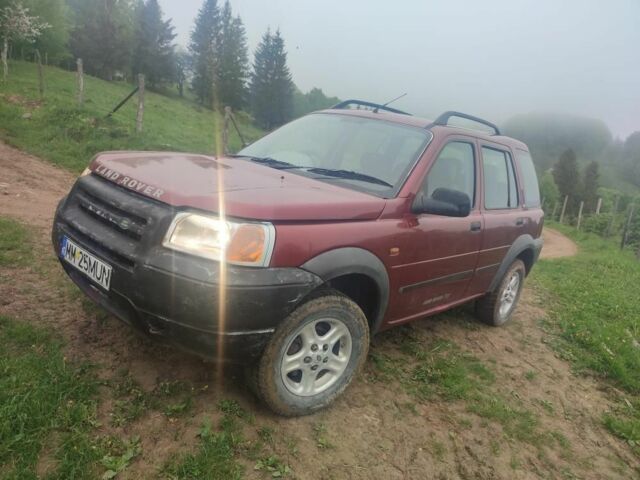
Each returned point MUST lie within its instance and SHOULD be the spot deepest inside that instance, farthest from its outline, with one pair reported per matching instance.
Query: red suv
(289, 255)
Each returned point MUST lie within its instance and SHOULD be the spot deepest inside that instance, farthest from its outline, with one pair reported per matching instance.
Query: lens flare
(222, 286)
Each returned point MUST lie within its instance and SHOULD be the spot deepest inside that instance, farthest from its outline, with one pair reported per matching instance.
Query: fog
(494, 58)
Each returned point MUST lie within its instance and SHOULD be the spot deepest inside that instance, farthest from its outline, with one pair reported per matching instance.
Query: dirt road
(377, 429)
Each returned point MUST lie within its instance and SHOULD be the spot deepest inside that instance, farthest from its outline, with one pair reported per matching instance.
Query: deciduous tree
(102, 35)
(566, 175)
(17, 24)
(590, 186)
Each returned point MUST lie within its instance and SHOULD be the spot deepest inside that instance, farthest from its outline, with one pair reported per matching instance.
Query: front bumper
(182, 300)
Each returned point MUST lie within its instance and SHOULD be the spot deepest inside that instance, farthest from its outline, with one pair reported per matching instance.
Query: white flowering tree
(17, 25)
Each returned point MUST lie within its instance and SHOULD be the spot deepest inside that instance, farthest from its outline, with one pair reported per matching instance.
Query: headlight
(85, 172)
(248, 244)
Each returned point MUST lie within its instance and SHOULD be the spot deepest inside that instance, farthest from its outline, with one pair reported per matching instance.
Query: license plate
(92, 267)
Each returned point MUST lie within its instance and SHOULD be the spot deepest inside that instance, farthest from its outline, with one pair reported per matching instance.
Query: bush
(597, 224)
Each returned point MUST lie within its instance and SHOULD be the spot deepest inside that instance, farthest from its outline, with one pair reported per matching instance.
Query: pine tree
(203, 48)
(183, 69)
(271, 84)
(102, 35)
(566, 176)
(154, 53)
(233, 67)
(590, 187)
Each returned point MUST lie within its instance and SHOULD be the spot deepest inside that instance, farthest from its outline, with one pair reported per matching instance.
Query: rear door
(501, 209)
(442, 250)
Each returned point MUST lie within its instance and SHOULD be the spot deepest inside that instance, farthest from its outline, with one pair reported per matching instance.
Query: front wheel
(496, 308)
(313, 355)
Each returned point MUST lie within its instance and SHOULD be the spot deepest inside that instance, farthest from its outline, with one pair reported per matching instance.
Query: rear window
(500, 188)
(529, 179)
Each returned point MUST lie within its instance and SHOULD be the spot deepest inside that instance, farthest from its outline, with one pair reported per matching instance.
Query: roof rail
(444, 120)
(361, 103)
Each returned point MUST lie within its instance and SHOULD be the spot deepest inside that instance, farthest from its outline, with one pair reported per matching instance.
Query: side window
(453, 169)
(529, 179)
(500, 187)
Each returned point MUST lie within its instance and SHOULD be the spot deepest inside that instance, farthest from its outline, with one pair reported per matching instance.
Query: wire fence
(614, 220)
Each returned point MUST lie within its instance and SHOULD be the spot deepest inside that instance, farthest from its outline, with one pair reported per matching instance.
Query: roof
(427, 124)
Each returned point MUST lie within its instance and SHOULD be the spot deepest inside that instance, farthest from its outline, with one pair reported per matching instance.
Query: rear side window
(454, 169)
(500, 188)
(529, 179)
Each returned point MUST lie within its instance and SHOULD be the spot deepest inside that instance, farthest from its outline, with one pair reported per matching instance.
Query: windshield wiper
(348, 174)
(268, 161)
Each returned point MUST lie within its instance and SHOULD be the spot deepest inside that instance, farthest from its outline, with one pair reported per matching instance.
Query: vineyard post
(80, 76)
(580, 215)
(140, 116)
(40, 74)
(564, 208)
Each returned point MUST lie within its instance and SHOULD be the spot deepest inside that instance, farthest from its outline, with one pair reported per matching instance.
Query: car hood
(244, 189)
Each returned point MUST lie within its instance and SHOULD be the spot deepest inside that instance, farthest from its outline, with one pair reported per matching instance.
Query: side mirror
(445, 202)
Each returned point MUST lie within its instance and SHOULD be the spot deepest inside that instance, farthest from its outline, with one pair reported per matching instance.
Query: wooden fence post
(225, 130)
(140, 116)
(625, 232)
(599, 206)
(555, 209)
(613, 216)
(40, 74)
(80, 75)
(564, 208)
(580, 215)
(3, 54)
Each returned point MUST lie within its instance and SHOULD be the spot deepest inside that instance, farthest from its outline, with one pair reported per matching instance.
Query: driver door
(444, 249)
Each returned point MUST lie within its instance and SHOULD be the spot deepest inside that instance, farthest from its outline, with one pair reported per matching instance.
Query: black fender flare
(521, 244)
(350, 260)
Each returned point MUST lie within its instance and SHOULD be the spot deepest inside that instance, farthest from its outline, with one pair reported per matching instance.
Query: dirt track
(372, 432)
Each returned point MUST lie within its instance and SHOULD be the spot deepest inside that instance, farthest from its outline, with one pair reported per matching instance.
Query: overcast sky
(492, 58)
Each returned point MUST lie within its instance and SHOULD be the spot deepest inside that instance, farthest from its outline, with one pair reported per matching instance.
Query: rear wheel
(313, 355)
(497, 307)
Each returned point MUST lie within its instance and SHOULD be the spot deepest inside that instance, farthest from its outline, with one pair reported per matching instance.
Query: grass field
(57, 129)
(595, 309)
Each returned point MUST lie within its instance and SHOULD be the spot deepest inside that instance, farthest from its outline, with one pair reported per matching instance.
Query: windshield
(365, 154)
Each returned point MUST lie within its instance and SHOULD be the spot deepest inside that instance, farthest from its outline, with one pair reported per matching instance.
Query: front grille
(119, 225)
(126, 222)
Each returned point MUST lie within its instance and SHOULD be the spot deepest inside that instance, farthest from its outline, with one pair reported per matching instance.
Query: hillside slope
(56, 129)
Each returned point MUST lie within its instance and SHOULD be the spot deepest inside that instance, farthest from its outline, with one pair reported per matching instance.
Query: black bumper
(180, 299)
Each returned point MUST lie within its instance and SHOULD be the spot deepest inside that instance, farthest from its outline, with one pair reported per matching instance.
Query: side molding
(350, 260)
(522, 243)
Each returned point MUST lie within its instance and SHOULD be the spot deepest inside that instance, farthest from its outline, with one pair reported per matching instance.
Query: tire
(491, 308)
(327, 338)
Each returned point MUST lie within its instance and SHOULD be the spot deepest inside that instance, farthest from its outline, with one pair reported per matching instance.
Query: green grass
(15, 247)
(434, 369)
(46, 404)
(595, 310)
(215, 458)
(132, 402)
(68, 135)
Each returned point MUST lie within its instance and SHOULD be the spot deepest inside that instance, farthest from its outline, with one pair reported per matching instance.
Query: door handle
(519, 221)
(476, 226)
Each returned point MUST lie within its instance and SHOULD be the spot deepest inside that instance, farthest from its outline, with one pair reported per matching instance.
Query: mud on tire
(328, 339)
(488, 308)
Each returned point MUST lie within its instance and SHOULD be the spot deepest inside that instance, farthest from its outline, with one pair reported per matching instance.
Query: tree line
(118, 39)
